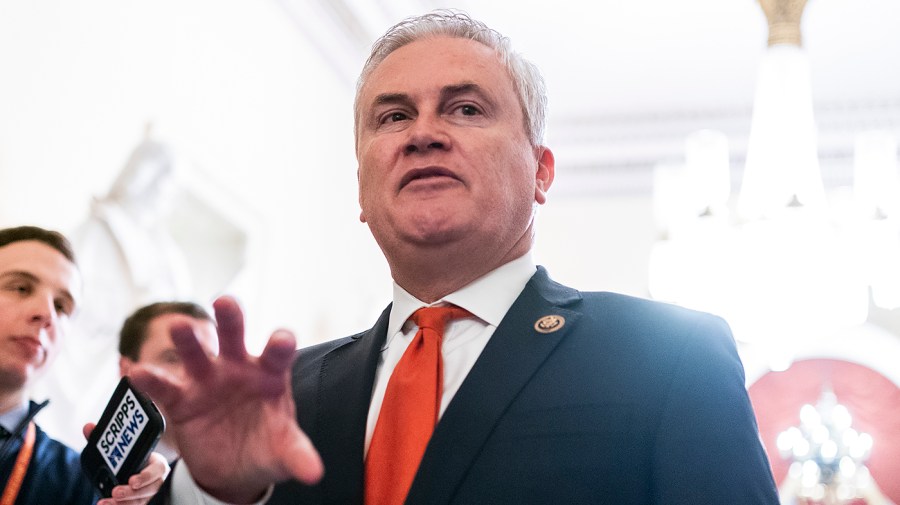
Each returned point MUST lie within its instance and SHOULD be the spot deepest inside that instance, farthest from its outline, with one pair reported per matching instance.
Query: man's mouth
(426, 173)
(31, 346)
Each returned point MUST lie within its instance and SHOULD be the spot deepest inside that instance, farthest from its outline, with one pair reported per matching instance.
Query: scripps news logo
(122, 432)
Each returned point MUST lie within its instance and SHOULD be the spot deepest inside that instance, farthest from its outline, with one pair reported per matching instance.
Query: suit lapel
(512, 356)
(344, 394)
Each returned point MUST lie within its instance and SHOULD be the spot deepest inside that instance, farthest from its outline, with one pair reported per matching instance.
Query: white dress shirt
(11, 419)
(488, 298)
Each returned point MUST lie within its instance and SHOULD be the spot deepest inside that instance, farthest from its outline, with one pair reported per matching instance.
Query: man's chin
(16, 378)
(438, 237)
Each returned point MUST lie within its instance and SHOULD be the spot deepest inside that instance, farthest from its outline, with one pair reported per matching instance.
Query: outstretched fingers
(275, 363)
(300, 458)
(230, 326)
(196, 362)
(279, 352)
(156, 383)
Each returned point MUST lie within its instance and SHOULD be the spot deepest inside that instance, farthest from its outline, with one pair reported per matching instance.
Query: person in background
(127, 258)
(484, 382)
(40, 288)
(146, 338)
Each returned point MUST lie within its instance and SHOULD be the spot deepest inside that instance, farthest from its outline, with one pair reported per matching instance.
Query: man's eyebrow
(19, 274)
(28, 276)
(461, 88)
(447, 91)
(392, 98)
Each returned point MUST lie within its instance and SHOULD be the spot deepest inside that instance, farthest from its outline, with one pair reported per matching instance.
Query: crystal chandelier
(783, 263)
(828, 456)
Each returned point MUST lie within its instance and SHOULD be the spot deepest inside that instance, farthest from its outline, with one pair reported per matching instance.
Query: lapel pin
(549, 324)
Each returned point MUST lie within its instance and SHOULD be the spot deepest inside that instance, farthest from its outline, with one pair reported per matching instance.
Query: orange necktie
(410, 410)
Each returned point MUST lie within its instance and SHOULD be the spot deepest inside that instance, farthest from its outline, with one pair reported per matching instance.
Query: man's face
(159, 350)
(38, 286)
(442, 150)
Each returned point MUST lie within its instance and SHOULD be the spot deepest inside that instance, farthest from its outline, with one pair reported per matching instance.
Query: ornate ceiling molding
(615, 154)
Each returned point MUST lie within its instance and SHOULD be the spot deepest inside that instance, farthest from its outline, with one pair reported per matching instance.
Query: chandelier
(783, 261)
(828, 456)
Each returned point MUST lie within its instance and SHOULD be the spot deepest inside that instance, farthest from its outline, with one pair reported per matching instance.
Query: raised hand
(233, 415)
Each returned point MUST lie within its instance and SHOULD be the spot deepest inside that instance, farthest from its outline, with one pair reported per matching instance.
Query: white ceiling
(628, 80)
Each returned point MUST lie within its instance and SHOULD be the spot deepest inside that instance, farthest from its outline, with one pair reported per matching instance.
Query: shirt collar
(488, 297)
(11, 419)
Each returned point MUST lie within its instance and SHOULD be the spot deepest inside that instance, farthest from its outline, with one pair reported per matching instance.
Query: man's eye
(63, 308)
(395, 117)
(469, 110)
(21, 288)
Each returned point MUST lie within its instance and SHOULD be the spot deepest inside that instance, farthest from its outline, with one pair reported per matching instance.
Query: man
(546, 394)
(39, 291)
(146, 338)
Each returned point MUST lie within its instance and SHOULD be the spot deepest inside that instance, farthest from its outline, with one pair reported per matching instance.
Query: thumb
(87, 429)
(300, 459)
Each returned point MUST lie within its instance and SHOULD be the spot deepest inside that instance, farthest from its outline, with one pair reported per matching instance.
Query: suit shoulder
(636, 310)
(615, 307)
(641, 323)
(630, 318)
(309, 359)
(318, 350)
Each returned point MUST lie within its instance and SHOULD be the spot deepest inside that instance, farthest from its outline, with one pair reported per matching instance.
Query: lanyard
(11, 491)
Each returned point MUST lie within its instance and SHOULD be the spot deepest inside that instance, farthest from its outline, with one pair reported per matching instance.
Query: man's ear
(362, 215)
(546, 170)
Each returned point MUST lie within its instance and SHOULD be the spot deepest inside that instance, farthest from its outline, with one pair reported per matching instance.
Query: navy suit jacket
(54, 474)
(629, 402)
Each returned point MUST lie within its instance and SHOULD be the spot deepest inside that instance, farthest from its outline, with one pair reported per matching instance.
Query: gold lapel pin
(549, 324)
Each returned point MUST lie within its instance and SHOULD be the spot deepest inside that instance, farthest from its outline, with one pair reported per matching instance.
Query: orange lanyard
(11, 492)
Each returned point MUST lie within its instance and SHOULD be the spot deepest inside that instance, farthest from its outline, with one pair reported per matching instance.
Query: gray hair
(526, 77)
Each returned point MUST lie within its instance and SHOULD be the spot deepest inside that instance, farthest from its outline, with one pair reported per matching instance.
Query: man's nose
(43, 310)
(427, 133)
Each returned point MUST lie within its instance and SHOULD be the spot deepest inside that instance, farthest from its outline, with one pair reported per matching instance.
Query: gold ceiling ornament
(784, 20)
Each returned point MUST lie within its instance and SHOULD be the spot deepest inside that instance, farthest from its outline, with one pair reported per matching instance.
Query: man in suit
(545, 394)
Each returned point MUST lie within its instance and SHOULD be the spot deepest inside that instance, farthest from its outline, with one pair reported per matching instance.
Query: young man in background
(146, 338)
(40, 288)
